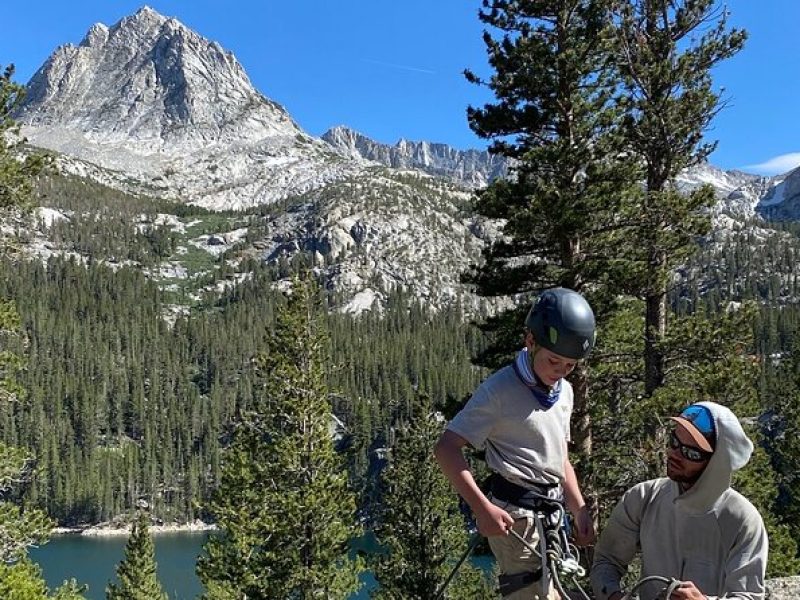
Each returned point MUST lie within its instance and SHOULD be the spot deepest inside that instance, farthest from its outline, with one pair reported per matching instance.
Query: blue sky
(392, 70)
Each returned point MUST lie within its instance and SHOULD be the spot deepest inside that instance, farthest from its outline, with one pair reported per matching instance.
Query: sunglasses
(688, 452)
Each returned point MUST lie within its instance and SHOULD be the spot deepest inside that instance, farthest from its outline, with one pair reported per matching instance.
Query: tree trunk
(654, 330)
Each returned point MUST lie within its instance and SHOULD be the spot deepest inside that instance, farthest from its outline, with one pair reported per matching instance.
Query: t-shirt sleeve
(477, 419)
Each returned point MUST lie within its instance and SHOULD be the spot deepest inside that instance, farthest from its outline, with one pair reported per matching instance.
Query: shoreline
(110, 529)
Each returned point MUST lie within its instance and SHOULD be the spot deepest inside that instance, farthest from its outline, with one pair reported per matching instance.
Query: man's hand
(687, 590)
(584, 527)
(493, 520)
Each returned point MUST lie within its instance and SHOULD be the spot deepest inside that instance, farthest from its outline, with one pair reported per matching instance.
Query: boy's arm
(584, 524)
(491, 519)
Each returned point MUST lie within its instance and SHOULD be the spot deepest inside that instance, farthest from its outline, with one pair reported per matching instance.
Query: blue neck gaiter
(546, 397)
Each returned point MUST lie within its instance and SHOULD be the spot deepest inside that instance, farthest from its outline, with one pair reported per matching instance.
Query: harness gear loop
(554, 556)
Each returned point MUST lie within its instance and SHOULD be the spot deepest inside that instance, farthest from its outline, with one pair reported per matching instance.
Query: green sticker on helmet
(553, 334)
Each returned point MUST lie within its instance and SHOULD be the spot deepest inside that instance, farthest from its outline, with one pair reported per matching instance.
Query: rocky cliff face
(470, 168)
(782, 201)
(152, 99)
(395, 231)
(785, 588)
(738, 193)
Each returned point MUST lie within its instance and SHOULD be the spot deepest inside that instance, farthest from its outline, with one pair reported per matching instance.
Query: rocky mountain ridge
(150, 107)
(152, 99)
(470, 168)
(155, 101)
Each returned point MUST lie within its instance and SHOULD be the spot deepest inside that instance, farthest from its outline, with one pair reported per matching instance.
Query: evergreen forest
(138, 369)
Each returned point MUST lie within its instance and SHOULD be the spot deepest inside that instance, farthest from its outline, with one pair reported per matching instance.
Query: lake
(92, 560)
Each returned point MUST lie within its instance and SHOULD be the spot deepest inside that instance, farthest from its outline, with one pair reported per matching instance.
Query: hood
(733, 450)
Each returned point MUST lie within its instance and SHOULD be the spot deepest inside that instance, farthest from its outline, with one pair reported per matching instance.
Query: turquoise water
(92, 561)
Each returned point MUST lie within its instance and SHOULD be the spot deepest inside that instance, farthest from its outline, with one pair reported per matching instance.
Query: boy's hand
(493, 520)
(584, 527)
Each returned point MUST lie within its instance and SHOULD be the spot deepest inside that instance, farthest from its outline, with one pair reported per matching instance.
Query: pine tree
(283, 506)
(554, 116)
(421, 531)
(23, 580)
(665, 51)
(782, 441)
(137, 575)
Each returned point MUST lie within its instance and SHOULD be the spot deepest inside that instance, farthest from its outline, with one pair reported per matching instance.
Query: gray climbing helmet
(563, 322)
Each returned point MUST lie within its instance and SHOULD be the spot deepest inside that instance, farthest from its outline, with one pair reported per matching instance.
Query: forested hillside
(129, 402)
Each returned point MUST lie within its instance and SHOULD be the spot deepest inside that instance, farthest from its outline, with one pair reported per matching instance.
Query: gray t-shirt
(524, 442)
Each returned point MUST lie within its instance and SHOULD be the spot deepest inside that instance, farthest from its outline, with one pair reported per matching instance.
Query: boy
(520, 416)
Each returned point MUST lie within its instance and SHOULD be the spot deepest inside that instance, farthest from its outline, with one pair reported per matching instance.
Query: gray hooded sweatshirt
(710, 534)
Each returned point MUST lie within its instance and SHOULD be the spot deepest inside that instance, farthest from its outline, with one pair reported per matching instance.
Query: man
(690, 526)
(520, 416)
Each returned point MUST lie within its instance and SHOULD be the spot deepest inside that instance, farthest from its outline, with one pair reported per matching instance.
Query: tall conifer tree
(421, 531)
(665, 51)
(555, 118)
(284, 509)
(137, 575)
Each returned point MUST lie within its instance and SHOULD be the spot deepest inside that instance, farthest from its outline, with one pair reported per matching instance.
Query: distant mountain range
(149, 106)
(470, 168)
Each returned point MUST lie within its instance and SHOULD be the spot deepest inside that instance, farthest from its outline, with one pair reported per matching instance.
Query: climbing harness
(557, 556)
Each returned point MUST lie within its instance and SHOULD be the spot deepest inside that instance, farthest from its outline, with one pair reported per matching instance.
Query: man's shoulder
(734, 506)
(646, 491)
